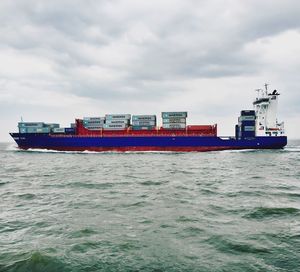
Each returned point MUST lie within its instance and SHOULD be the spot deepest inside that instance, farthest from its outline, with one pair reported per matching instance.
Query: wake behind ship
(256, 129)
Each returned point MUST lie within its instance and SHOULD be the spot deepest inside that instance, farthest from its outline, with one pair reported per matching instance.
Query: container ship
(257, 128)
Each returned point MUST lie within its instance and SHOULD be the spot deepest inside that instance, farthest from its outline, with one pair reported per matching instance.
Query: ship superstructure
(265, 106)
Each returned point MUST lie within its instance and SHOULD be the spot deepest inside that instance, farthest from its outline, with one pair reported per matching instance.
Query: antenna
(266, 86)
(266, 89)
(258, 91)
(21, 119)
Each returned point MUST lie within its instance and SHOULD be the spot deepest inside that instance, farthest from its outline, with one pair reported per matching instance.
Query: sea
(151, 211)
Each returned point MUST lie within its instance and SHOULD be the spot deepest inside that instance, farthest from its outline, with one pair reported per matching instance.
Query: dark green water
(217, 211)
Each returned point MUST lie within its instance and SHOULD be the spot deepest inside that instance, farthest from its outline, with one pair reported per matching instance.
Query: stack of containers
(143, 122)
(93, 123)
(117, 121)
(246, 126)
(174, 120)
(33, 127)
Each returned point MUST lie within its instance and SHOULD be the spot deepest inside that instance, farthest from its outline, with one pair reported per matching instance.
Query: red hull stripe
(140, 148)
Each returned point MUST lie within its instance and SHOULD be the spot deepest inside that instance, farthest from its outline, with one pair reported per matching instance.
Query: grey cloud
(62, 27)
(267, 18)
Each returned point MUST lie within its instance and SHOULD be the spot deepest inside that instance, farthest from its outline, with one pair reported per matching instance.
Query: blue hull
(145, 143)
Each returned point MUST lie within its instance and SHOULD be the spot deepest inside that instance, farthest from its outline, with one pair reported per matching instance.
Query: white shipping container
(144, 123)
(178, 114)
(31, 124)
(116, 121)
(246, 118)
(118, 116)
(143, 127)
(30, 130)
(52, 125)
(93, 122)
(94, 125)
(58, 130)
(174, 120)
(174, 126)
(143, 117)
(43, 130)
(93, 118)
(115, 126)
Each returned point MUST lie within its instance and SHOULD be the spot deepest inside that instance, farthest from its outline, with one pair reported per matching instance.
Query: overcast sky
(63, 59)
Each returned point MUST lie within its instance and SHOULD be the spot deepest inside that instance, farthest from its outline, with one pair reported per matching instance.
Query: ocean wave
(266, 212)
(292, 149)
(227, 245)
(27, 196)
(35, 261)
(91, 185)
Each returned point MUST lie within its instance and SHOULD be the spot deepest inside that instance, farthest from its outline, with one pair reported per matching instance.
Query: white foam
(149, 151)
(292, 149)
(39, 150)
(237, 150)
(93, 152)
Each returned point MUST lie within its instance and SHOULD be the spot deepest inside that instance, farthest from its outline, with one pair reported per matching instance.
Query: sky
(66, 59)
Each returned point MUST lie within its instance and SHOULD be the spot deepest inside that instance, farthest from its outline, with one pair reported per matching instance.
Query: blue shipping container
(248, 128)
(237, 131)
(247, 123)
(70, 130)
(247, 113)
(247, 134)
